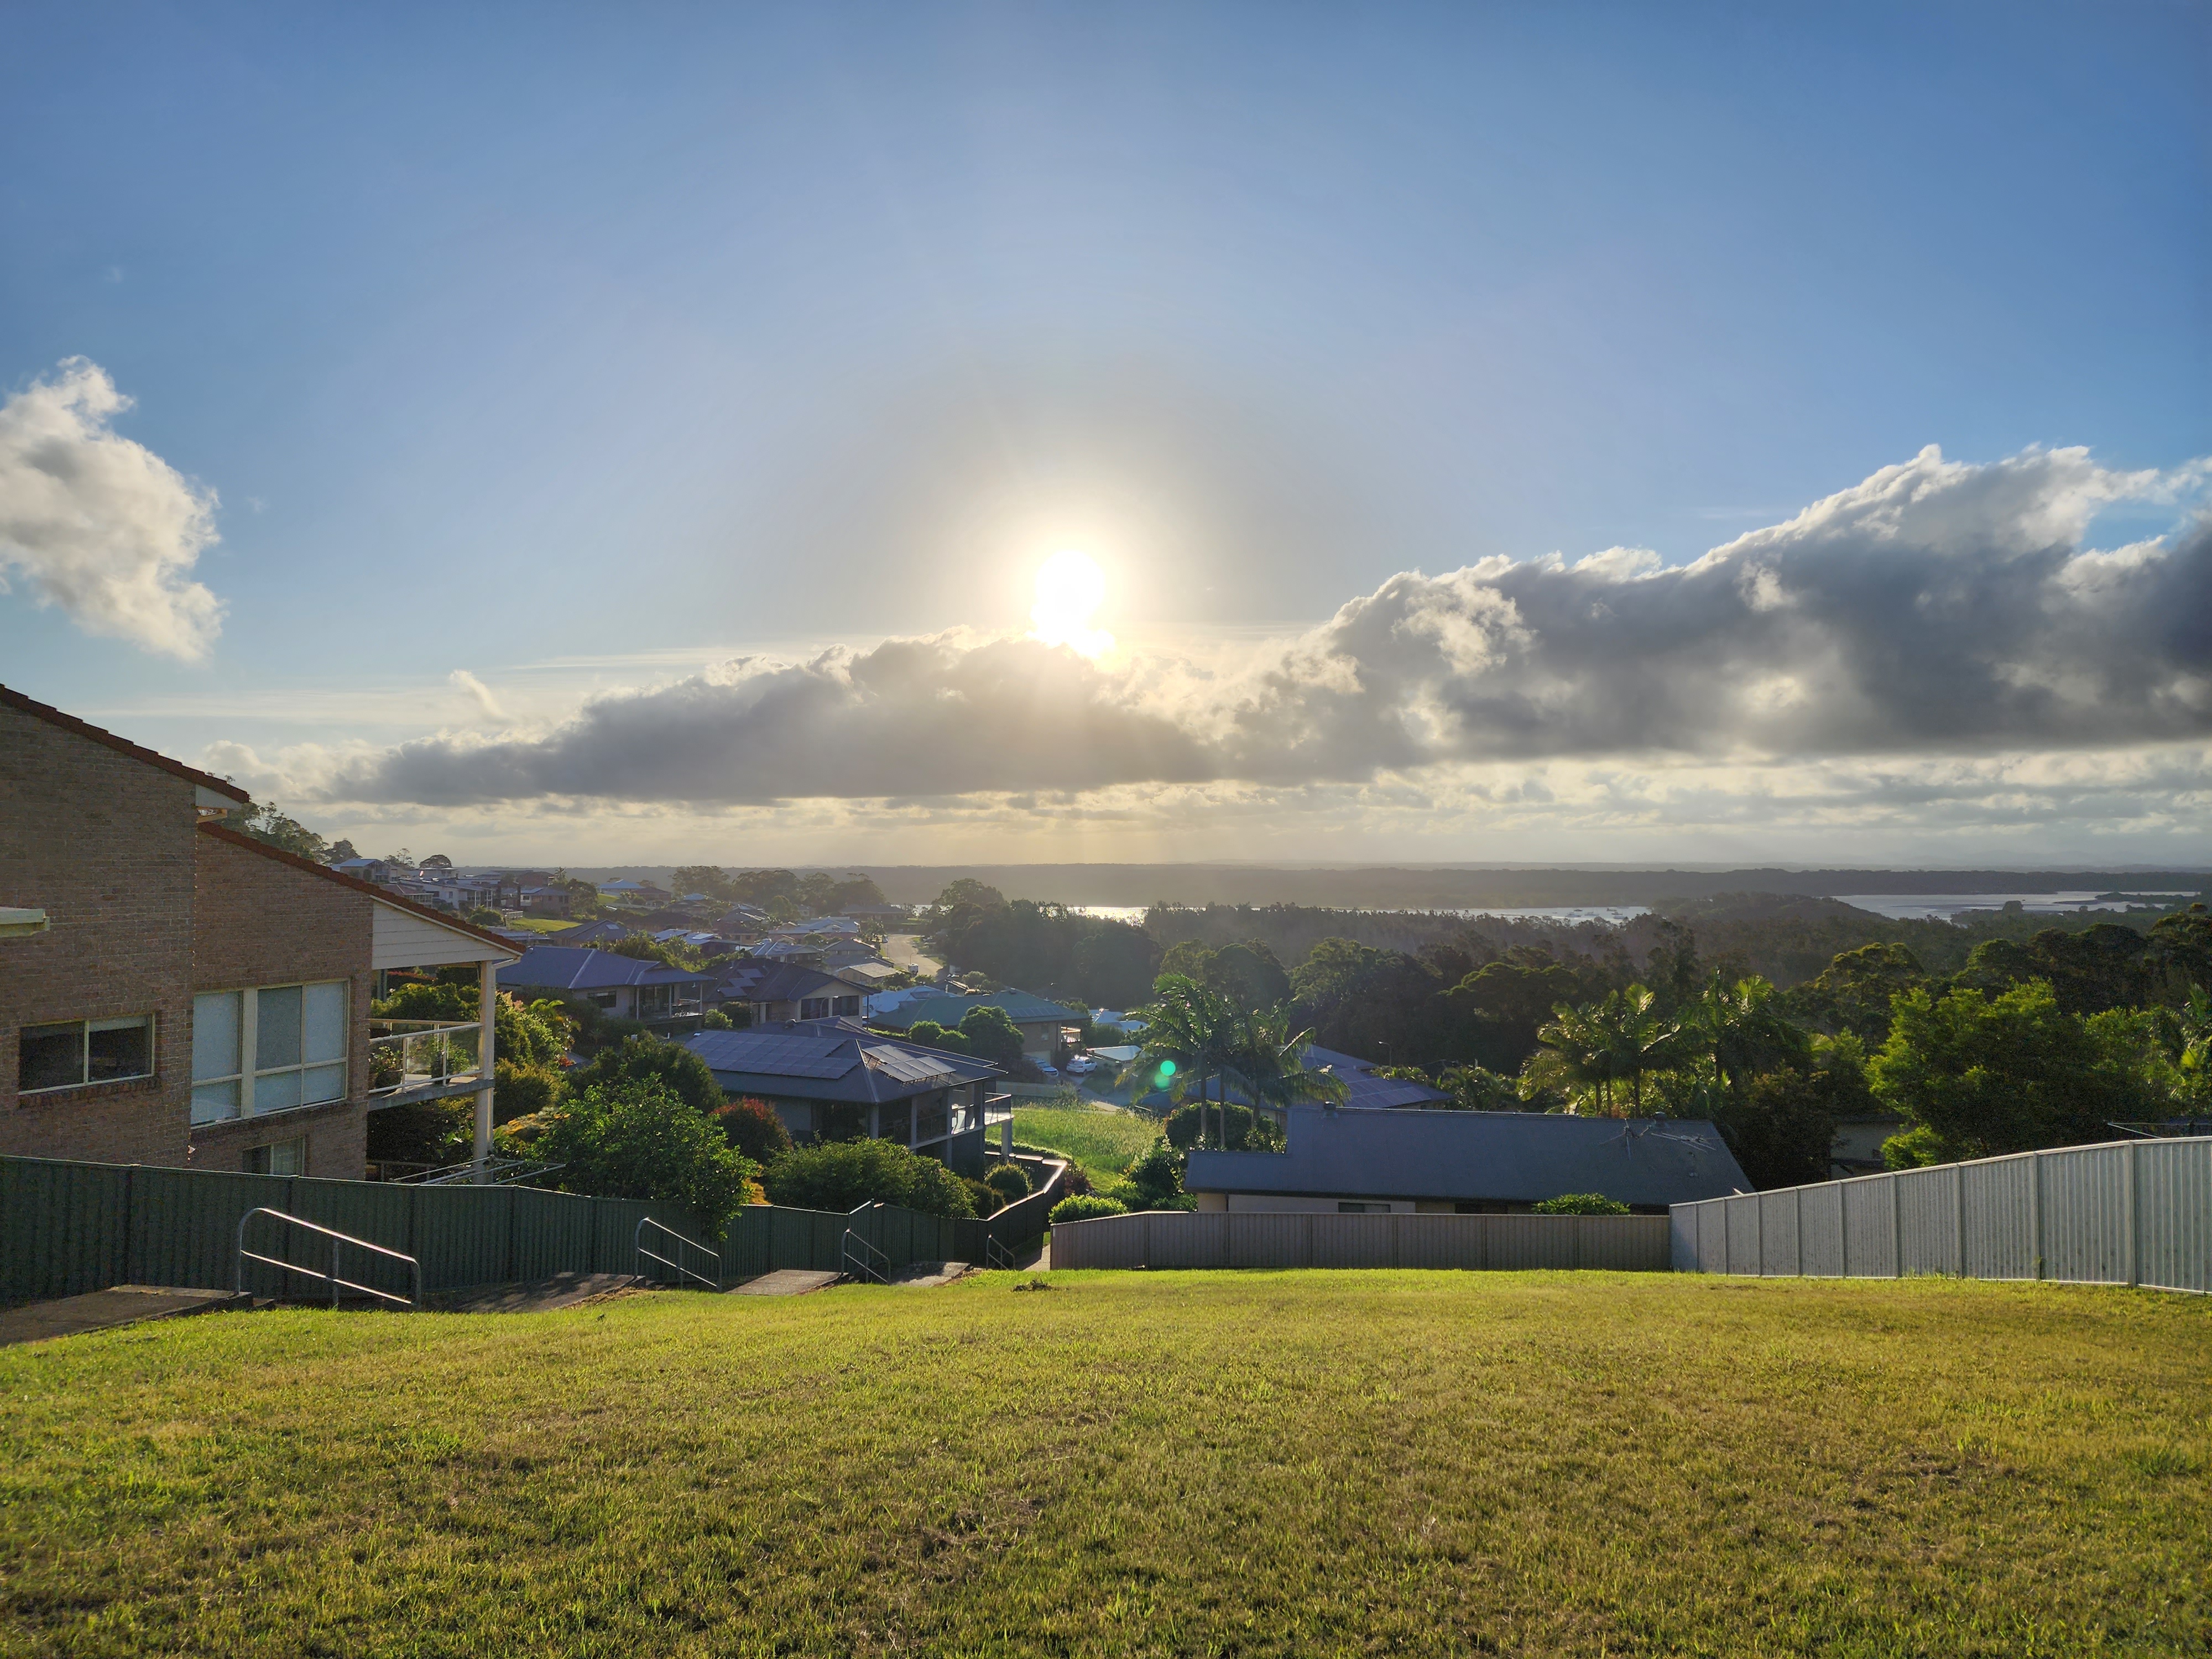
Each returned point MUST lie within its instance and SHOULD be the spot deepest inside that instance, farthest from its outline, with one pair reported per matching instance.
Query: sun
(1070, 589)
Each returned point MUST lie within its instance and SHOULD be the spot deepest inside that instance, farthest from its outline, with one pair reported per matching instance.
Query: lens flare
(1070, 589)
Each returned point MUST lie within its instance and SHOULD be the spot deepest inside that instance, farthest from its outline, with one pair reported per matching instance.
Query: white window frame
(85, 1028)
(244, 1082)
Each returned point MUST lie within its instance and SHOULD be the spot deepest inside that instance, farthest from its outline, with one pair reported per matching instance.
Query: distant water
(1569, 913)
(1943, 906)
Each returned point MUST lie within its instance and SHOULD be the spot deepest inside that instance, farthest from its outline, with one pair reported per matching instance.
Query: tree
(754, 1129)
(841, 1176)
(992, 1036)
(930, 1035)
(342, 852)
(1854, 991)
(1236, 1127)
(266, 823)
(2100, 968)
(1600, 1055)
(1739, 1031)
(539, 1033)
(639, 1060)
(1782, 1129)
(1153, 1179)
(1505, 1004)
(636, 1138)
(1191, 1035)
(708, 878)
(1580, 1204)
(1983, 1076)
(966, 889)
(1477, 1089)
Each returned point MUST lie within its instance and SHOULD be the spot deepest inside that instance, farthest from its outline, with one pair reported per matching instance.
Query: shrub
(844, 1175)
(522, 1090)
(754, 1129)
(1087, 1207)
(1009, 1181)
(1156, 1178)
(1581, 1204)
(437, 1132)
(1244, 1131)
(985, 1199)
(716, 1020)
(648, 1059)
(930, 1035)
(635, 1138)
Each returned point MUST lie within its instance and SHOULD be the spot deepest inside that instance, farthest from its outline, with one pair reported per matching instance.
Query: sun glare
(1070, 589)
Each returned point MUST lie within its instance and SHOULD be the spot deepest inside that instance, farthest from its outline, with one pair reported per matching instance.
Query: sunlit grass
(1277, 1464)
(1102, 1141)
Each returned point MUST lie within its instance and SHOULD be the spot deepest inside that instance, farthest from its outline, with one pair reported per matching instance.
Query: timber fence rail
(2123, 1212)
(1183, 1238)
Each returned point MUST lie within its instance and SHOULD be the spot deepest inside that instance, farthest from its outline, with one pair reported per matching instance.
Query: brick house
(190, 996)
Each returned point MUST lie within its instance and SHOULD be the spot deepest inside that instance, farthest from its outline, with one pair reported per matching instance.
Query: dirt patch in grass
(1250, 1464)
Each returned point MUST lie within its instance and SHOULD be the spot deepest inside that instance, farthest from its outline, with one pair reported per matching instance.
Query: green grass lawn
(1203, 1464)
(541, 924)
(1102, 1141)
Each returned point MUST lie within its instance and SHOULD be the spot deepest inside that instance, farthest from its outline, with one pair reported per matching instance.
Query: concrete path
(786, 1281)
(928, 1275)
(101, 1310)
(543, 1295)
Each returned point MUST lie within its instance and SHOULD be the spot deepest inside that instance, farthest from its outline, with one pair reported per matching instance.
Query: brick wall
(259, 921)
(104, 844)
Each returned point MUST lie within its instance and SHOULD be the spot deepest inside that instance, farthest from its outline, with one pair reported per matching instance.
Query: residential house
(1047, 1028)
(379, 870)
(1363, 1089)
(1414, 1162)
(196, 998)
(881, 914)
(547, 901)
(774, 992)
(605, 930)
(871, 974)
(836, 1080)
(642, 894)
(627, 987)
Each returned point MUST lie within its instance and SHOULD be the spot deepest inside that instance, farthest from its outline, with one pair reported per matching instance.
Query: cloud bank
(1937, 610)
(99, 525)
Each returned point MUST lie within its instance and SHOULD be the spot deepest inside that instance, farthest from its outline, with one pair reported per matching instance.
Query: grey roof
(779, 982)
(1508, 1158)
(828, 1059)
(572, 968)
(1021, 1007)
(1364, 1090)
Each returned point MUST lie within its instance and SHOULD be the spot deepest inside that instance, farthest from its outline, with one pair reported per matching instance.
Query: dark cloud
(1937, 608)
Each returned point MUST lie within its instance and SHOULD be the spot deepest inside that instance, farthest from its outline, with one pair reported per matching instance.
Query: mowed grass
(1136, 1463)
(1102, 1141)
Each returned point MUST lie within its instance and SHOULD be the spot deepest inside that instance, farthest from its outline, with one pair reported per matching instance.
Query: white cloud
(478, 694)
(98, 524)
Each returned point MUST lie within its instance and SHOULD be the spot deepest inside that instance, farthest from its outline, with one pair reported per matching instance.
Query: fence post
(1959, 1217)
(1801, 1232)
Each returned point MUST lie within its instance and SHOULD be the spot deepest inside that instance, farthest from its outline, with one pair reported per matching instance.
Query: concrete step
(786, 1281)
(540, 1296)
(118, 1304)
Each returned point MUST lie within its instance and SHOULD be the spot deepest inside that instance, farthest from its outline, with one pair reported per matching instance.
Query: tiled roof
(572, 967)
(828, 1059)
(945, 1009)
(53, 717)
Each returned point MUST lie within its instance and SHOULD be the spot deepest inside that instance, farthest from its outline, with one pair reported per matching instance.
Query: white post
(487, 1009)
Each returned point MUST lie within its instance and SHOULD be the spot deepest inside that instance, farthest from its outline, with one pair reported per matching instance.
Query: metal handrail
(864, 1264)
(996, 1254)
(637, 1241)
(498, 1172)
(337, 1238)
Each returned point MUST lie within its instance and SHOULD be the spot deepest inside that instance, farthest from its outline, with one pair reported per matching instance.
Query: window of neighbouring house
(847, 1005)
(814, 1008)
(1343, 1208)
(278, 1157)
(69, 1053)
(295, 1037)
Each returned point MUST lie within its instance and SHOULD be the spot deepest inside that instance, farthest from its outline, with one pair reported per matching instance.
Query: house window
(268, 1050)
(814, 1008)
(76, 1051)
(1343, 1208)
(280, 1157)
(602, 999)
(849, 1006)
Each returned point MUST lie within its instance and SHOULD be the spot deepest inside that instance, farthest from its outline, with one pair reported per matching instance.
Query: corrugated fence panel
(2130, 1212)
(1682, 1238)
(2085, 1202)
(1622, 1243)
(1272, 1241)
(1742, 1220)
(65, 1228)
(1997, 1197)
(184, 1230)
(1820, 1232)
(462, 1235)
(2173, 1211)
(1184, 1239)
(1354, 1241)
(1521, 1243)
(374, 1211)
(1927, 1221)
(1777, 1233)
(1435, 1241)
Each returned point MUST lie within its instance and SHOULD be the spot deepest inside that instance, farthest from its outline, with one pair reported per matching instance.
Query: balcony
(997, 1109)
(414, 1060)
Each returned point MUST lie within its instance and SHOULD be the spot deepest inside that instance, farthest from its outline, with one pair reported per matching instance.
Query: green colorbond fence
(67, 1228)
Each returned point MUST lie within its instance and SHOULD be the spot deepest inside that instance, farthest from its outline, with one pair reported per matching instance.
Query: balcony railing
(430, 1057)
(998, 1108)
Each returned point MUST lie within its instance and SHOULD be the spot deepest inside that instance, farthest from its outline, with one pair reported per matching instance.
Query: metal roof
(1510, 1158)
(1022, 1007)
(828, 1059)
(572, 968)
(1365, 1091)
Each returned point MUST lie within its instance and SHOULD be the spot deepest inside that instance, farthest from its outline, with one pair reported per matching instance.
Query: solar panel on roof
(775, 1054)
(905, 1067)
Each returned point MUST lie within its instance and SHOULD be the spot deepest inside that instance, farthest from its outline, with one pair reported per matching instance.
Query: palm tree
(1191, 1035)
(1596, 1051)
(1737, 1030)
(1269, 1061)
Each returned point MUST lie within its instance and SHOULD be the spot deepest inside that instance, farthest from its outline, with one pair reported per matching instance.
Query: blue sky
(579, 349)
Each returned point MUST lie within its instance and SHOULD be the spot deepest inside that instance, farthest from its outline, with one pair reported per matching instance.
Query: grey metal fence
(2123, 1212)
(1174, 1239)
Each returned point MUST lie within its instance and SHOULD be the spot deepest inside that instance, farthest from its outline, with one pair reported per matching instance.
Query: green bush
(716, 1020)
(521, 1089)
(754, 1129)
(1087, 1207)
(985, 1199)
(635, 1138)
(1156, 1179)
(646, 1058)
(1009, 1181)
(1581, 1204)
(437, 1133)
(844, 1175)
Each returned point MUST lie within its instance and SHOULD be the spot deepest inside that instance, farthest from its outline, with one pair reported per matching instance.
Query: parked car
(1047, 1069)
(1081, 1064)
